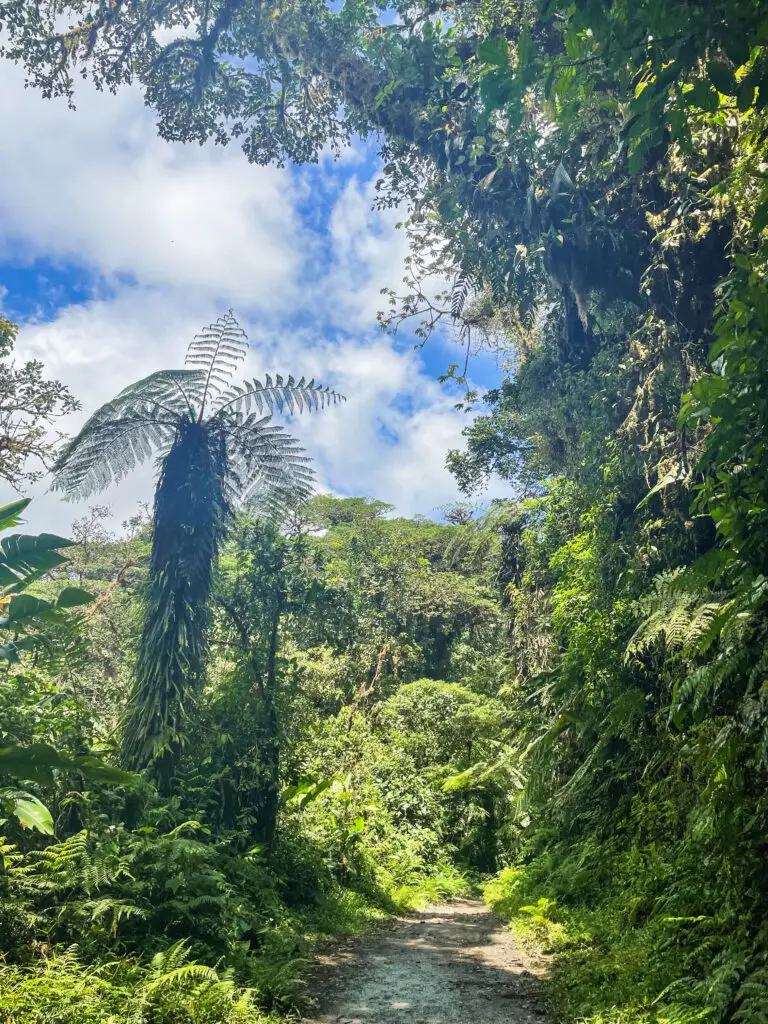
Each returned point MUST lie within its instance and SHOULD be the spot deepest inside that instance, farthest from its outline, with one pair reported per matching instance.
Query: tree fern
(217, 446)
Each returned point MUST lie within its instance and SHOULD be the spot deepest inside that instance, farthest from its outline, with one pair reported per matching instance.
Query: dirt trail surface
(450, 964)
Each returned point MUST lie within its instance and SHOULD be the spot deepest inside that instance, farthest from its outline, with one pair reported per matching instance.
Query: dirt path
(450, 964)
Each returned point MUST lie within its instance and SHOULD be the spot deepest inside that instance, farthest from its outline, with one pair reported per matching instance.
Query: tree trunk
(272, 797)
(188, 522)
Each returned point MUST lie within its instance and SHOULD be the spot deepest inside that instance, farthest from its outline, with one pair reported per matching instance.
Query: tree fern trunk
(272, 752)
(189, 518)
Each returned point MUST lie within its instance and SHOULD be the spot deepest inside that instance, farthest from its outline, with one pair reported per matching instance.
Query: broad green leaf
(10, 515)
(23, 607)
(288, 793)
(25, 558)
(746, 95)
(525, 48)
(738, 49)
(496, 90)
(36, 761)
(94, 768)
(33, 814)
(636, 158)
(702, 95)
(495, 52)
(33, 762)
(73, 597)
(760, 218)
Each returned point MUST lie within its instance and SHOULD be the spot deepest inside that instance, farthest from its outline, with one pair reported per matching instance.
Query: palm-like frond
(282, 394)
(141, 421)
(264, 457)
(215, 353)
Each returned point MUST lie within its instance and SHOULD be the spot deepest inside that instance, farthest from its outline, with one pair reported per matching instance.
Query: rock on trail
(450, 964)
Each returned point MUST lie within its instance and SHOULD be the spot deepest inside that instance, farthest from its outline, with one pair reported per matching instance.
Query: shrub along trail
(450, 964)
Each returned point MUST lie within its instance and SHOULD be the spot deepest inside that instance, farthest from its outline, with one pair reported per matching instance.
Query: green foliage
(64, 990)
(28, 620)
(303, 807)
(23, 560)
(29, 407)
(574, 685)
(323, 511)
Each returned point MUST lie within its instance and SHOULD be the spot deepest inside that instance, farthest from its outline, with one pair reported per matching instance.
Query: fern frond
(293, 395)
(681, 613)
(141, 421)
(216, 353)
(462, 286)
(753, 999)
(180, 976)
(170, 968)
(115, 911)
(169, 959)
(266, 461)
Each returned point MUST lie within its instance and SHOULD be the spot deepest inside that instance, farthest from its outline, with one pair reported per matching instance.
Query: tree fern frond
(293, 395)
(110, 454)
(216, 353)
(140, 421)
(266, 461)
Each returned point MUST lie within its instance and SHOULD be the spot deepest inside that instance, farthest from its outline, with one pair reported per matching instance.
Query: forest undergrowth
(147, 908)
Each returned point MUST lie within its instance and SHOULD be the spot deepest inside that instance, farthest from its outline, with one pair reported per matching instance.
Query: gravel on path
(455, 963)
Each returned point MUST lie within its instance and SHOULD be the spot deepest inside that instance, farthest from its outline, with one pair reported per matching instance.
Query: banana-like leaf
(24, 559)
(10, 515)
(23, 607)
(35, 763)
(32, 813)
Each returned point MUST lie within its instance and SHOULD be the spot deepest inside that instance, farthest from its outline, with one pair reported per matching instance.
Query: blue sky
(115, 247)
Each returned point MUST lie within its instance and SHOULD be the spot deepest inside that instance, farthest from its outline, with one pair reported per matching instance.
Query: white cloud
(97, 185)
(368, 253)
(182, 232)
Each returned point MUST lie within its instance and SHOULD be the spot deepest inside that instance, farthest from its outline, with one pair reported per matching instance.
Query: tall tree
(218, 446)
